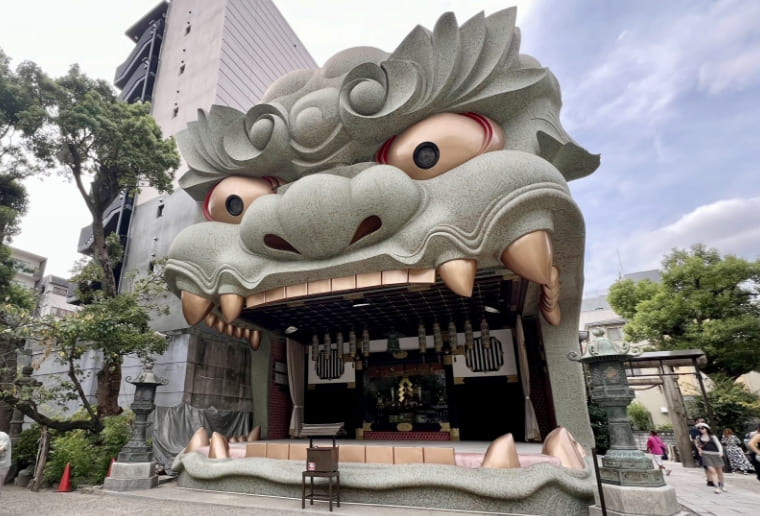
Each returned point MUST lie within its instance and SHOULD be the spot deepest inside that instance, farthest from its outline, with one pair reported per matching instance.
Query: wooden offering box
(322, 459)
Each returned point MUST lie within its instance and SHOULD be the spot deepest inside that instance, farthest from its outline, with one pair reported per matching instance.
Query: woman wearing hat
(711, 451)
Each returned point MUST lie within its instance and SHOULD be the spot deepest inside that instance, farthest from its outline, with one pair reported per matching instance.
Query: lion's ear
(572, 160)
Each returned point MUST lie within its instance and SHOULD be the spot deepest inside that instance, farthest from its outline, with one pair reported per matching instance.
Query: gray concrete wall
(258, 46)
(231, 53)
(172, 366)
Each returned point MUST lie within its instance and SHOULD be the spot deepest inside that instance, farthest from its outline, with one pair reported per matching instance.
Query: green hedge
(89, 454)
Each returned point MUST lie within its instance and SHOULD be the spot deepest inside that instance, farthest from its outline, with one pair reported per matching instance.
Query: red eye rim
(485, 124)
(274, 182)
(382, 154)
(206, 213)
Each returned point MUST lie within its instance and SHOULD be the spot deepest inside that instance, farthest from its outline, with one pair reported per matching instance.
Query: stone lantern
(137, 449)
(631, 485)
(135, 468)
(624, 464)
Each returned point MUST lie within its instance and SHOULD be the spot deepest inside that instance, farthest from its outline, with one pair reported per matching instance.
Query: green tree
(732, 404)
(640, 417)
(106, 146)
(19, 107)
(705, 301)
(117, 326)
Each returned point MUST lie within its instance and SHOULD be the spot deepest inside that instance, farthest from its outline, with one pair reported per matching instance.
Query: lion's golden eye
(229, 199)
(441, 142)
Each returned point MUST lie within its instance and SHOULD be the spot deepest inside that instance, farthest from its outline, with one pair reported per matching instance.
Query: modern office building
(30, 268)
(191, 54)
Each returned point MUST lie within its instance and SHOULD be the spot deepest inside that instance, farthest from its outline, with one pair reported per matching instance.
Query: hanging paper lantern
(437, 339)
(485, 334)
(468, 341)
(326, 348)
(352, 343)
(453, 344)
(314, 347)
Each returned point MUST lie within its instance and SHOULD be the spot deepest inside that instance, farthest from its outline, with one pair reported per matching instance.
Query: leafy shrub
(25, 450)
(665, 427)
(598, 419)
(89, 454)
(70, 448)
(733, 406)
(639, 416)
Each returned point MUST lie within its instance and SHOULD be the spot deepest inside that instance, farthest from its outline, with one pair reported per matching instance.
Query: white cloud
(649, 67)
(377, 24)
(729, 225)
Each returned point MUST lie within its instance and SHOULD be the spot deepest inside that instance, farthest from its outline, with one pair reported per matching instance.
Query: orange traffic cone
(64, 486)
(110, 466)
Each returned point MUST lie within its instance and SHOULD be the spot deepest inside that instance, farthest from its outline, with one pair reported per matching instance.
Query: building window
(61, 312)
(182, 68)
(60, 291)
(187, 29)
(615, 334)
(160, 211)
(175, 111)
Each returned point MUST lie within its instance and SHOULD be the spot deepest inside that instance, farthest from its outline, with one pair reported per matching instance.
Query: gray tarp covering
(172, 427)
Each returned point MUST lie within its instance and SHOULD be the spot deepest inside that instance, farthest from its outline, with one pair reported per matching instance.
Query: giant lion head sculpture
(444, 159)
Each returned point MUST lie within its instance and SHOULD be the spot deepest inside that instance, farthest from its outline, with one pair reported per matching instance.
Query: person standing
(712, 455)
(754, 448)
(736, 458)
(5, 457)
(694, 434)
(657, 448)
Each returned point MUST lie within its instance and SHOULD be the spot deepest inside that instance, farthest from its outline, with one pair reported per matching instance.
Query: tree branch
(78, 387)
(29, 409)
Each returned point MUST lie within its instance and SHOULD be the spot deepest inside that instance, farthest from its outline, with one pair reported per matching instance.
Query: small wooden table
(321, 462)
(333, 477)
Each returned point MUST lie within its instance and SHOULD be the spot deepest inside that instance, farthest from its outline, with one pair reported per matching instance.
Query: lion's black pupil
(234, 205)
(426, 155)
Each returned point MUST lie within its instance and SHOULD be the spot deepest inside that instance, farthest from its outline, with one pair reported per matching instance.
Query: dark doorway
(488, 408)
(332, 403)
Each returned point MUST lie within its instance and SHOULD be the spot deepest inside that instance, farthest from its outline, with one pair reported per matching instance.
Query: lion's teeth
(459, 275)
(232, 304)
(559, 443)
(210, 320)
(238, 332)
(255, 339)
(194, 307)
(501, 453)
(531, 257)
(198, 440)
(219, 448)
(549, 304)
(219, 325)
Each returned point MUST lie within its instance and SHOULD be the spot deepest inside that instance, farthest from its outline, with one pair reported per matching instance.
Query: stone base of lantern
(630, 468)
(638, 501)
(131, 476)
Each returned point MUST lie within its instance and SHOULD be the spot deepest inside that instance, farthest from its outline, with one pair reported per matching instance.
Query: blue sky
(667, 92)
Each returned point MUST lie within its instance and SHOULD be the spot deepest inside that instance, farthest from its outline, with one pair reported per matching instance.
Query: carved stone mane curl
(341, 113)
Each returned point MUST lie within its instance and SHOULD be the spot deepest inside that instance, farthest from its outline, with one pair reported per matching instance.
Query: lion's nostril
(367, 227)
(279, 243)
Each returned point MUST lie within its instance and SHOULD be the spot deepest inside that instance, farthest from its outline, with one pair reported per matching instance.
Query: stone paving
(742, 499)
